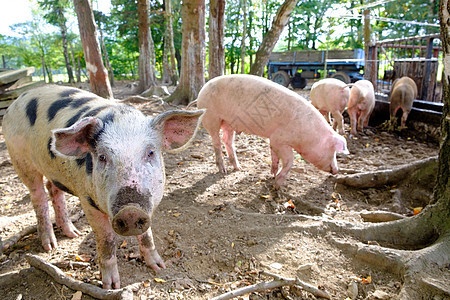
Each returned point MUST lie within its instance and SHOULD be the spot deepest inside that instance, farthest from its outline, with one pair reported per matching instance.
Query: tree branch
(61, 278)
(278, 282)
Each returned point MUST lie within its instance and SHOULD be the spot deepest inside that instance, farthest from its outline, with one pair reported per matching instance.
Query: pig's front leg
(148, 251)
(105, 238)
(285, 153)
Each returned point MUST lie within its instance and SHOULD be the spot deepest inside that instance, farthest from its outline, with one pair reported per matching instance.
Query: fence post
(426, 79)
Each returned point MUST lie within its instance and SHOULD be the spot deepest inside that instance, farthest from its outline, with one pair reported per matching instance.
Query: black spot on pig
(69, 92)
(57, 106)
(94, 112)
(89, 165)
(75, 118)
(49, 147)
(62, 187)
(31, 111)
(106, 119)
(81, 101)
(92, 203)
(86, 160)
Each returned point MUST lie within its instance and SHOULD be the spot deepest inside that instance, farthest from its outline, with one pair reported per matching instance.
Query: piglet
(106, 153)
(403, 93)
(331, 95)
(255, 105)
(360, 105)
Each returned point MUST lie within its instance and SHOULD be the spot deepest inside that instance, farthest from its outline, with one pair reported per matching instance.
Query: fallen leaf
(83, 257)
(417, 210)
(289, 204)
(172, 232)
(265, 196)
(159, 280)
(232, 245)
(176, 215)
(367, 145)
(146, 284)
(366, 280)
(377, 140)
(124, 244)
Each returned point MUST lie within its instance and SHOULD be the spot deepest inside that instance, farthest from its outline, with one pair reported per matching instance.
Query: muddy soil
(216, 232)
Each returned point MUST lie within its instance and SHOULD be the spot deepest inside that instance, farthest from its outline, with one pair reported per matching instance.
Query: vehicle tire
(299, 82)
(342, 76)
(282, 78)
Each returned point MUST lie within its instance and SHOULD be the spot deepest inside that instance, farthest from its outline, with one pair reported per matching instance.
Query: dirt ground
(216, 232)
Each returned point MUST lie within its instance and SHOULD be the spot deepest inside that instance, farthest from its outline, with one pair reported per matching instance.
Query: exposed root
(89, 289)
(380, 216)
(386, 177)
(278, 282)
(30, 230)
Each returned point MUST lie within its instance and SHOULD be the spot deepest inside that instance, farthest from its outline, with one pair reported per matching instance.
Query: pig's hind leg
(212, 125)
(61, 215)
(33, 179)
(228, 135)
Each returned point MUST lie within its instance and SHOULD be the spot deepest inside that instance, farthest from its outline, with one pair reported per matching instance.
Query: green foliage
(313, 23)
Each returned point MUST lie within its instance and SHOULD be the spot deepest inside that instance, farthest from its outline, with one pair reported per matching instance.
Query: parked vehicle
(296, 67)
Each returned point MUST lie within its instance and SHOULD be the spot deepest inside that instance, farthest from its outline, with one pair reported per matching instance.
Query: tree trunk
(192, 77)
(146, 58)
(272, 36)
(216, 38)
(98, 74)
(442, 189)
(43, 67)
(74, 66)
(244, 35)
(170, 74)
(105, 52)
(63, 28)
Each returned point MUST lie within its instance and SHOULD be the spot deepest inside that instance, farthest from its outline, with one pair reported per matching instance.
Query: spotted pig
(106, 153)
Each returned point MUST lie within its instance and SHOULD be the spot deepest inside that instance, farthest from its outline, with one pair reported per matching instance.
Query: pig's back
(29, 120)
(248, 103)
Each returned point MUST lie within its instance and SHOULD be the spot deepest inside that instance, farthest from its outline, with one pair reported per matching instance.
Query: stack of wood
(13, 83)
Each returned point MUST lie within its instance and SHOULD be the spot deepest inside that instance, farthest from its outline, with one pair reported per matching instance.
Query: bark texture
(170, 74)
(146, 49)
(216, 38)
(192, 75)
(98, 75)
(270, 39)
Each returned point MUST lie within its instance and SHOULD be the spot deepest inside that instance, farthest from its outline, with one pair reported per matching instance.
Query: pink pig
(403, 93)
(330, 95)
(360, 105)
(255, 105)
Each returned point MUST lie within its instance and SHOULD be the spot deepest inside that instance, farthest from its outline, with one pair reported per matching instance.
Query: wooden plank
(16, 93)
(13, 75)
(5, 103)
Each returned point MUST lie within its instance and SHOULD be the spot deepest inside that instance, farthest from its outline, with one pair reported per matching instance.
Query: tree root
(415, 267)
(380, 216)
(30, 230)
(278, 282)
(385, 177)
(89, 289)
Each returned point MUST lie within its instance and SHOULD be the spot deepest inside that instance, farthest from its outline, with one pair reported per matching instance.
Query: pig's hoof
(154, 261)
(71, 231)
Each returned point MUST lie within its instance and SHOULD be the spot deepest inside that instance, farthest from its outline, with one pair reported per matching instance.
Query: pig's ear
(177, 127)
(340, 145)
(76, 139)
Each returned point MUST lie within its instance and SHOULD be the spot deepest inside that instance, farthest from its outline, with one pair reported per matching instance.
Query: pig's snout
(131, 220)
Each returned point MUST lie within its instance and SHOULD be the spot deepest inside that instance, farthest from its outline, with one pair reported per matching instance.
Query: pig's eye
(150, 154)
(102, 158)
